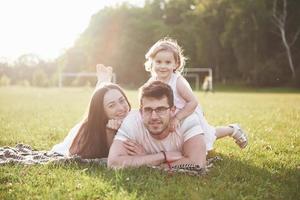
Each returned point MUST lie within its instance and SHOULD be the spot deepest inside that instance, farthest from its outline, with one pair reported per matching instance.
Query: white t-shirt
(134, 129)
(63, 147)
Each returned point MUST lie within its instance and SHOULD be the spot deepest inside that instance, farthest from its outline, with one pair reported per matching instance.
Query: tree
(280, 21)
(39, 78)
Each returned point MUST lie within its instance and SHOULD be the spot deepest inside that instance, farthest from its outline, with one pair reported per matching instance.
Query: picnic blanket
(26, 155)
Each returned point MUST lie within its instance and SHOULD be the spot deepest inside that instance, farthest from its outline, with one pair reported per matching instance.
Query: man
(149, 127)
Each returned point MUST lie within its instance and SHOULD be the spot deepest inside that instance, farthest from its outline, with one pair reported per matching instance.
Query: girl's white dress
(179, 102)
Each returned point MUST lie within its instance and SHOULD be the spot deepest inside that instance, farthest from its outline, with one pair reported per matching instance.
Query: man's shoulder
(192, 118)
(190, 122)
(191, 127)
(130, 126)
(133, 119)
(133, 115)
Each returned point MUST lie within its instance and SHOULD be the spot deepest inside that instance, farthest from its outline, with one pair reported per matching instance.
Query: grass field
(269, 168)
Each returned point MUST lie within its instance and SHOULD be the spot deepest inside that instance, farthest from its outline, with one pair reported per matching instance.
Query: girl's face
(164, 64)
(115, 105)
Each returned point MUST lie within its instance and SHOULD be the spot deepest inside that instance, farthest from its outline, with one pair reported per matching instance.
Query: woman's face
(115, 105)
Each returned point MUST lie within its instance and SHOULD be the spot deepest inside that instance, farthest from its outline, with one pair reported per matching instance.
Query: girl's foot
(239, 135)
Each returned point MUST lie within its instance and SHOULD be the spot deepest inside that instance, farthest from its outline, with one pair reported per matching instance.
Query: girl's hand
(113, 124)
(174, 123)
(104, 74)
(134, 148)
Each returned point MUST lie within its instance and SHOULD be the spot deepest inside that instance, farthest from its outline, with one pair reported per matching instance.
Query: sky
(45, 27)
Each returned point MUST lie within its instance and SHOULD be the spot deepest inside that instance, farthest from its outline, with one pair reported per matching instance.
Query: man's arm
(194, 152)
(119, 158)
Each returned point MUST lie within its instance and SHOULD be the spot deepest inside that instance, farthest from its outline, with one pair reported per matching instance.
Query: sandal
(239, 135)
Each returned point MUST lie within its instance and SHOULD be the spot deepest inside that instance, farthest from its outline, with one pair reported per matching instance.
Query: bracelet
(166, 160)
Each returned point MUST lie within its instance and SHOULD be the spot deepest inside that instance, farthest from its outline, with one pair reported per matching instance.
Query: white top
(134, 129)
(63, 147)
(179, 102)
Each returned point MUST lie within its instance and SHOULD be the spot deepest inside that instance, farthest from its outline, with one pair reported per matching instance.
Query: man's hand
(173, 156)
(134, 148)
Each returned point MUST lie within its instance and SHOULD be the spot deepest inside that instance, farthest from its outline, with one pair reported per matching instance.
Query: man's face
(156, 114)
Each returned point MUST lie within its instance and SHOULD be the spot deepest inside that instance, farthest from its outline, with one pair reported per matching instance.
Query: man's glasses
(159, 110)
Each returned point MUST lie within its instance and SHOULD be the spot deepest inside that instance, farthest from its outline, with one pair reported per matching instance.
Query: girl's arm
(185, 91)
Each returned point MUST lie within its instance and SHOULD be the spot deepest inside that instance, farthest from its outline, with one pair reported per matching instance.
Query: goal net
(202, 77)
(77, 75)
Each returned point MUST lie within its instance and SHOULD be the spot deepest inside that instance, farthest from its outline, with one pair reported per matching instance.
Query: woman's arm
(112, 127)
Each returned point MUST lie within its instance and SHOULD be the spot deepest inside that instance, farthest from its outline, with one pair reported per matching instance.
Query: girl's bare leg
(234, 131)
(224, 131)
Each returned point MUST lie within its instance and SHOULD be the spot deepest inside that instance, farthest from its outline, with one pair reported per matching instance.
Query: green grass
(269, 168)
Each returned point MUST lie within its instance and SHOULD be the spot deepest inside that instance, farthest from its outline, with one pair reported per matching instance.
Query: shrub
(4, 80)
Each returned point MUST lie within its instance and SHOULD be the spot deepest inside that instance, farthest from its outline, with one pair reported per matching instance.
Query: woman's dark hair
(90, 141)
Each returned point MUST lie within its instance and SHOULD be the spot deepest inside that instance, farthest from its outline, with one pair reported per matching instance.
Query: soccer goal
(202, 76)
(64, 75)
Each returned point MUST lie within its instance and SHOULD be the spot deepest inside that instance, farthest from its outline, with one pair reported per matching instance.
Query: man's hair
(157, 90)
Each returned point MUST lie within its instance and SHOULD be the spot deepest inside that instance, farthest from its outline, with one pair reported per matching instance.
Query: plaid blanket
(191, 169)
(26, 155)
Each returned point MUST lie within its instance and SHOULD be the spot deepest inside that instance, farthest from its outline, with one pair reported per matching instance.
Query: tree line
(249, 42)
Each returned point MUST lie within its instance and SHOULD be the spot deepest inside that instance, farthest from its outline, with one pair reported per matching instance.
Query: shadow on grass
(228, 179)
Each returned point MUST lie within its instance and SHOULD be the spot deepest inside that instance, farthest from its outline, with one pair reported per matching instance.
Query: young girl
(165, 62)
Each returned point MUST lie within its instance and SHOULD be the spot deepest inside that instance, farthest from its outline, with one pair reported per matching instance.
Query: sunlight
(46, 28)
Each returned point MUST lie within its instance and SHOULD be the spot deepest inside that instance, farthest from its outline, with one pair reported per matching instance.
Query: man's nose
(154, 115)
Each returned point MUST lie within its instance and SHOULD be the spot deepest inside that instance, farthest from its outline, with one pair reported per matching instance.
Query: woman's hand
(114, 124)
(104, 74)
(134, 148)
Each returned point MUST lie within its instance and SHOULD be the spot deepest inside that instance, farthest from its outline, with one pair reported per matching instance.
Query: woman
(93, 136)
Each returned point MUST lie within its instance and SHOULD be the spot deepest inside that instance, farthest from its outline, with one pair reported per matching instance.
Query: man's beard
(154, 132)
